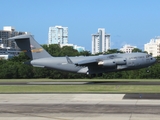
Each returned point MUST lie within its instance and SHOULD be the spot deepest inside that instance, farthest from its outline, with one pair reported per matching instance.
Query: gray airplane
(83, 64)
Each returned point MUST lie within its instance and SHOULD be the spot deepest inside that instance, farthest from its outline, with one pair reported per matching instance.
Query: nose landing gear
(148, 70)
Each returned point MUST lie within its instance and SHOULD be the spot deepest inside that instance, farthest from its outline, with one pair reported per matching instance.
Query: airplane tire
(99, 74)
(92, 75)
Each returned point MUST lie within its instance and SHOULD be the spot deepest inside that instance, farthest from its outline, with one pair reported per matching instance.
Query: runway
(79, 106)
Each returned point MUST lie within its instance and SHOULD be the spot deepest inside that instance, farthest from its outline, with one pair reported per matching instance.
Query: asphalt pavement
(79, 107)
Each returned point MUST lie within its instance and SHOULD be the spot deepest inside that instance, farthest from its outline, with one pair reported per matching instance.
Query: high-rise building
(8, 32)
(153, 47)
(127, 48)
(100, 41)
(58, 35)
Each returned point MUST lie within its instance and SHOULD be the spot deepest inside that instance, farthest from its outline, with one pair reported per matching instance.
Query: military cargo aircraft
(91, 65)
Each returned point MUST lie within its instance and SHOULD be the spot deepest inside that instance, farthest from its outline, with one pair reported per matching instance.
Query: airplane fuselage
(83, 64)
(87, 65)
(104, 63)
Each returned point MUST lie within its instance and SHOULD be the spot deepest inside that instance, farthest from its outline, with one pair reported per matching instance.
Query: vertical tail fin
(28, 45)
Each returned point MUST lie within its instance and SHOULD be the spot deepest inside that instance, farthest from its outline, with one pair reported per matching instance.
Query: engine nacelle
(112, 62)
(107, 63)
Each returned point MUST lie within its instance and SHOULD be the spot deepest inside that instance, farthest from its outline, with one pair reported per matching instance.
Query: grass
(92, 88)
(79, 89)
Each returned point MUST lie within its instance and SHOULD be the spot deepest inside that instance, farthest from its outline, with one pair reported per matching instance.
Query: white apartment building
(153, 47)
(100, 41)
(58, 35)
(127, 48)
(7, 32)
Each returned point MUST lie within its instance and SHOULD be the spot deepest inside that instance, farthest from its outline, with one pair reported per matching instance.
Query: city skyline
(128, 22)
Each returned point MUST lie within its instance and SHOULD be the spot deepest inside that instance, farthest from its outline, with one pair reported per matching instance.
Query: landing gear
(148, 70)
(99, 74)
(95, 75)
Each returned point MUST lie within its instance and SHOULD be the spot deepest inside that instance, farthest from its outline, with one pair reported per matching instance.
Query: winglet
(69, 60)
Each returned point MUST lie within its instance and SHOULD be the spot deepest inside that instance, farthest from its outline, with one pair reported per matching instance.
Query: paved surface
(79, 107)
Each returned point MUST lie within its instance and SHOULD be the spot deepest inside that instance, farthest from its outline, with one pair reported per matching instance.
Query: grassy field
(79, 89)
(91, 88)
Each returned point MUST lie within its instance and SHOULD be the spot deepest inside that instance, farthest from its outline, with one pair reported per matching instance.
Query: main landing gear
(96, 75)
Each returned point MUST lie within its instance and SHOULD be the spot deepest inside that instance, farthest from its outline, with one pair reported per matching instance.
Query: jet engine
(112, 62)
(107, 63)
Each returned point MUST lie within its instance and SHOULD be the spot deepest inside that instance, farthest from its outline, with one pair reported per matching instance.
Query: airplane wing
(102, 62)
(87, 62)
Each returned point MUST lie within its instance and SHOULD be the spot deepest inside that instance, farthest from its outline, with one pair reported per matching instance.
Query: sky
(132, 22)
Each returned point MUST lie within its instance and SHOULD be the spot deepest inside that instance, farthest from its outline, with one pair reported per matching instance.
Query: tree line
(15, 68)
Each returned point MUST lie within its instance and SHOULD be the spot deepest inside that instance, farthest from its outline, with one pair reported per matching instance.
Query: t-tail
(28, 45)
